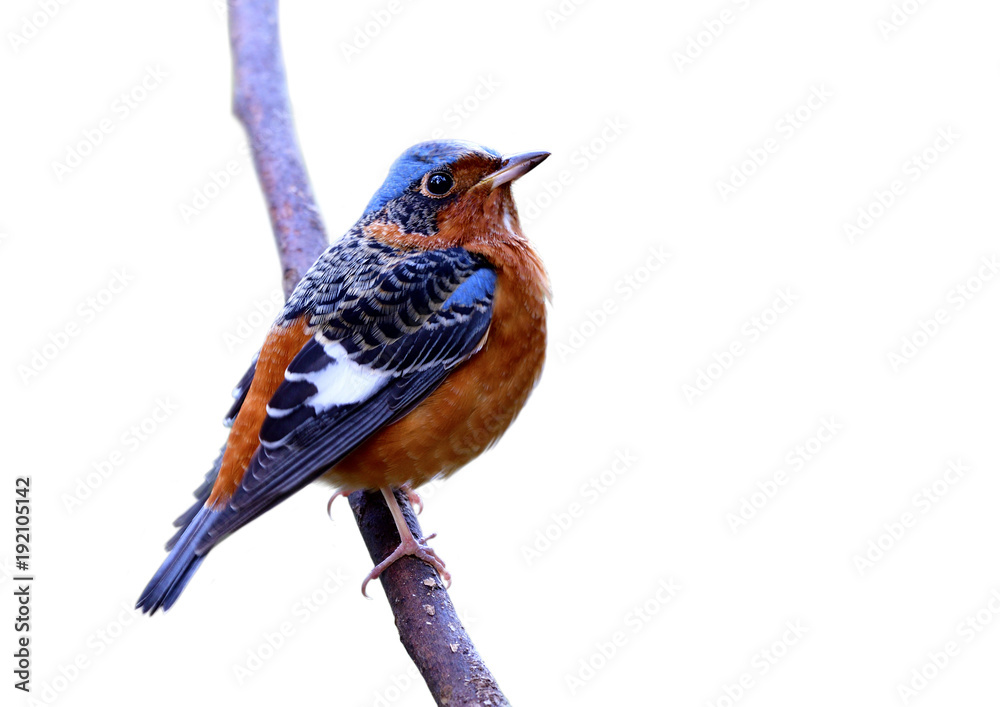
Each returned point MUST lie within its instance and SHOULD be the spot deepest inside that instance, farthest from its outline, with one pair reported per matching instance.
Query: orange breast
(470, 410)
(280, 347)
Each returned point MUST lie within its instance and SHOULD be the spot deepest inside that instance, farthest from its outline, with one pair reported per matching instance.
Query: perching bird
(406, 350)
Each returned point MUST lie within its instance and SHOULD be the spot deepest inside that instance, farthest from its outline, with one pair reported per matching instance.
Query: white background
(182, 330)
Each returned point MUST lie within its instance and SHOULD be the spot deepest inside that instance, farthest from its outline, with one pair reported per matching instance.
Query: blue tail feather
(182, 562)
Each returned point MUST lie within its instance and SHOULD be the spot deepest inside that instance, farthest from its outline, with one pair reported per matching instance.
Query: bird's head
(446, 193)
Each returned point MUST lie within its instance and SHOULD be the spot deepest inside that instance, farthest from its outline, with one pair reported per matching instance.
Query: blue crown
(416, 162)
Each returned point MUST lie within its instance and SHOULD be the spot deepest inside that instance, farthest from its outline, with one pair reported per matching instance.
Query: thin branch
(260, 101)
(425, 617)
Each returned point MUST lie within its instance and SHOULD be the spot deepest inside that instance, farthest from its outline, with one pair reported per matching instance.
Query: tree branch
(260, 101)
(428, 625)
(425, 616)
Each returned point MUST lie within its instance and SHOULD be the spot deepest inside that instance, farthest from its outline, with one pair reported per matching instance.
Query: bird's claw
(414, 498)
(334, 497)
(410, 546)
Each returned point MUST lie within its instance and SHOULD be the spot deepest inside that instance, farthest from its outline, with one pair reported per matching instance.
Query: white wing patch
(342, 382)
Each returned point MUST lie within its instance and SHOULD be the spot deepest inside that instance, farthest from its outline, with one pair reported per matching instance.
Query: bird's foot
(408, 544)
(417, 547)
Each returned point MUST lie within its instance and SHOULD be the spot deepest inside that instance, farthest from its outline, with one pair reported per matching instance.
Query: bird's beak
(513, 167)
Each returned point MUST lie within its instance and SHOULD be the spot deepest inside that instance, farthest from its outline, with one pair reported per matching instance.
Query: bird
(405, 351)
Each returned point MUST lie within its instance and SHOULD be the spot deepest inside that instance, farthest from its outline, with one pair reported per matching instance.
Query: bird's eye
(439, 183)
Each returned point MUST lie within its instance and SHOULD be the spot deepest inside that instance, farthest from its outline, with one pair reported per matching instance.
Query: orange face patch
(466, 207)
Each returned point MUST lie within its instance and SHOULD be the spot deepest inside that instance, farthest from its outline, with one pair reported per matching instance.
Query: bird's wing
(381, 346)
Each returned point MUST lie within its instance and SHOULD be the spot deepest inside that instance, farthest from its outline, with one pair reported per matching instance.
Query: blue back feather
(477, 288)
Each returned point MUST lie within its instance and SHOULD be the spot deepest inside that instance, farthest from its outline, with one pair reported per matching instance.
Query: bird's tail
(175, 572)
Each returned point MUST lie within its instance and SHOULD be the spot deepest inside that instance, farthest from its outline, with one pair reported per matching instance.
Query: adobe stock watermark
(399, 683)
(561, 12)
(936, 661)
(460, 111)
(710, 31)
(122, 108)
(623, 290)
(635, 620)
(32, 24)
(213, 185)
(785, 128)
(887, 197)
(921, 503)
(6, 570)
(404, 679)
(580, 160)
(899, 14)
(302, 611)
(762, 663)
(262, 312)
(589, 493)
(129, 442)
(368, 31)
(795, 460)
(751, 331)
(930, 327)
(221, 8)
(96, 644)
(84, 314)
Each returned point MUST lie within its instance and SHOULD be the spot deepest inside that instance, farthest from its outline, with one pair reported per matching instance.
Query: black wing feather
(411, 316)
(273, 477)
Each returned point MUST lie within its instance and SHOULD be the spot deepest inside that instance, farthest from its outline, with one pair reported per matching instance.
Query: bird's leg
(408, 545)
(415, 500)
(334, 497)
(413, 496)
